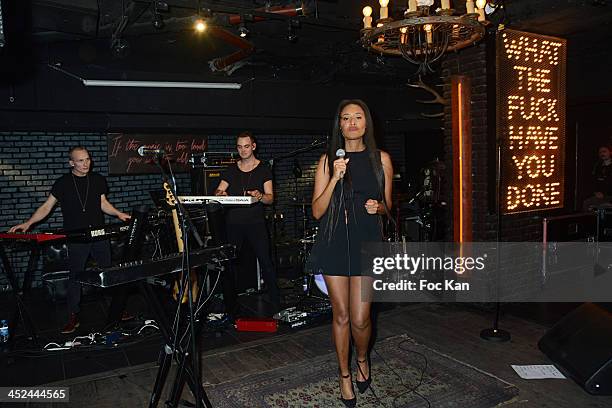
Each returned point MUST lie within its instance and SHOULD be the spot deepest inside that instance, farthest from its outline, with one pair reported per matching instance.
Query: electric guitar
(171, 201)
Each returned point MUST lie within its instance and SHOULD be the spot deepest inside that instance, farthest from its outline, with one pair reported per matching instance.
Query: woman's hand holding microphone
(340, 168)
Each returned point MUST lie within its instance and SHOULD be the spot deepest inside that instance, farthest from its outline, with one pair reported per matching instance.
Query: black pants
(78, 254)
(257, 236)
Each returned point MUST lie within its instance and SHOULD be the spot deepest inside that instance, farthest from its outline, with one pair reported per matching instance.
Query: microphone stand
(272, 162)
(495, 333)
(186, 225)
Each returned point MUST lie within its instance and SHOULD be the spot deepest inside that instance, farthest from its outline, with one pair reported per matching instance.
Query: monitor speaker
(581, 345)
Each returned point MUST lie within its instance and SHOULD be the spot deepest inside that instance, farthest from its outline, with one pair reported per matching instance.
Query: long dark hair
(336, 142)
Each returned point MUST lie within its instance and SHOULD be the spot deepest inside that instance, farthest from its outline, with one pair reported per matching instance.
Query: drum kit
(313, 284)
(312, 298)
(311, 280)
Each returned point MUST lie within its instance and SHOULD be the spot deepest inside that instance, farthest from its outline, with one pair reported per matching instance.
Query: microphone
(340, 153)
(147, 151)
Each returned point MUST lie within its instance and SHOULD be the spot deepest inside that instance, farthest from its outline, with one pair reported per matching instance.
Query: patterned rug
(397, 369)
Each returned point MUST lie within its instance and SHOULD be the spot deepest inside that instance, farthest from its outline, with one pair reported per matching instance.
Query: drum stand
(309, 282)
(308, 277)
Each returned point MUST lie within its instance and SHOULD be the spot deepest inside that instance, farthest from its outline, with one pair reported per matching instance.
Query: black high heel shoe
(363, 386)
(348, 403)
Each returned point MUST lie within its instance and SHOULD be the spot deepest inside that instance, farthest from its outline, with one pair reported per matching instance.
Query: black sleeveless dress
(339, 249)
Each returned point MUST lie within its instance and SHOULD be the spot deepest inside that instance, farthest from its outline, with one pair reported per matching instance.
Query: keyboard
(26, 236)
(223, 200)
(142, 269)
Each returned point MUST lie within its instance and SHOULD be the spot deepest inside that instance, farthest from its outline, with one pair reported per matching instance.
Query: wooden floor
(450, 329)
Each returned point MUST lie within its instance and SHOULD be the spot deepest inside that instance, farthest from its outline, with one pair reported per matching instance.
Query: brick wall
(31, 161)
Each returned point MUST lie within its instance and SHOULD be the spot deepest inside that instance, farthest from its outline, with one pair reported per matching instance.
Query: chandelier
(423, 35)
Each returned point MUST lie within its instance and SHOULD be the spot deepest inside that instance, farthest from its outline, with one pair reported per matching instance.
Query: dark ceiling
(119, 35)
(118, 39)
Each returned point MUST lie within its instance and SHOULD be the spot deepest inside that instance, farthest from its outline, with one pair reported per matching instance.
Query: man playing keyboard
(249, 176)
(82, 197)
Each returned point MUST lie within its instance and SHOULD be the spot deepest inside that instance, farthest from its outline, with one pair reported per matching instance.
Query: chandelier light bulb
(428, 33)
(367, 19)
(480, 4)
(469, 6)
(412, 6)
(404, 35)
(384, 11)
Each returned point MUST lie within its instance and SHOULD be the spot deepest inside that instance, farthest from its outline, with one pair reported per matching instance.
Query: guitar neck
(177, 231)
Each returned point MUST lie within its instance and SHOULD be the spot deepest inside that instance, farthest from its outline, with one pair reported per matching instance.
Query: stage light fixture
(200, 25)
(158, 21)
(244, 32)
(161, 5)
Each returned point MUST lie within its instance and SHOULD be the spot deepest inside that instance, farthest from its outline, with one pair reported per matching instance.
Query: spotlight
(158, 21)
(200, 25)
(161, 6)
(243, 30)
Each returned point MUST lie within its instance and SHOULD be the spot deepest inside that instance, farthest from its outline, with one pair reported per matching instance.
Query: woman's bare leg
(338, 289)
(361, 324)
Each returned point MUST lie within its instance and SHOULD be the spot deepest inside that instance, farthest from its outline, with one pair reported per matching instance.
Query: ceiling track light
(160, 5)
(158, 21)
(244, 32)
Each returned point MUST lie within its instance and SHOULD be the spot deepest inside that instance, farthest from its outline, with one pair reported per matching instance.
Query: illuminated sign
(531, 120)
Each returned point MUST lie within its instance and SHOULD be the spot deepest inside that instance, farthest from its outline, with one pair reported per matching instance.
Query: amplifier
(205, 181)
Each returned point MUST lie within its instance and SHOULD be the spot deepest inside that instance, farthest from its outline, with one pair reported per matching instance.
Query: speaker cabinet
(581, 344)
(205, 181)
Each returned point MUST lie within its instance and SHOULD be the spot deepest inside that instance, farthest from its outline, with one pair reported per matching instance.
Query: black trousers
(100, 251)
(78, 254)
(257, 236)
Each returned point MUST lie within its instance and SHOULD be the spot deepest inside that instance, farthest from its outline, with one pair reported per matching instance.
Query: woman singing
(350, 194)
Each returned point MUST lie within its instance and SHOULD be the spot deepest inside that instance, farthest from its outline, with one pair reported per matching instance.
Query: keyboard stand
(21, 313)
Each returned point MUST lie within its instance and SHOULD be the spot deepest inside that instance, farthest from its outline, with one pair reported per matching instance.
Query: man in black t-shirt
(249, 176)
(82, 197)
